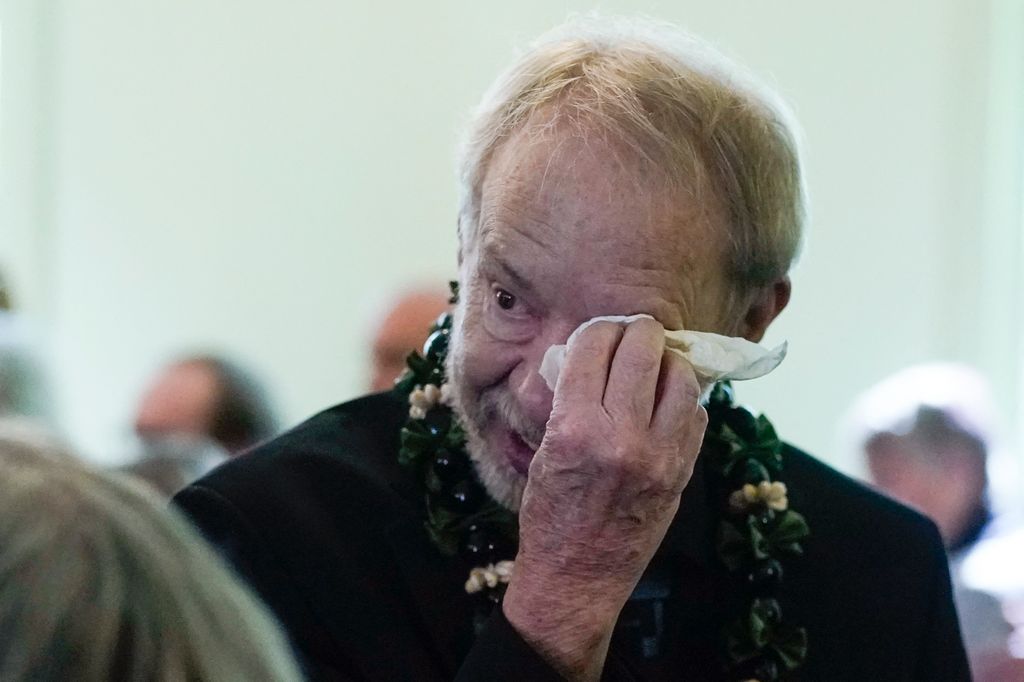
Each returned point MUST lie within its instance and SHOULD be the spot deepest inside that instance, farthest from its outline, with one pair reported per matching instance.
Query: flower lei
(756, 529)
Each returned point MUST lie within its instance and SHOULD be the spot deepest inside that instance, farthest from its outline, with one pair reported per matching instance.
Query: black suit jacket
(327, 527)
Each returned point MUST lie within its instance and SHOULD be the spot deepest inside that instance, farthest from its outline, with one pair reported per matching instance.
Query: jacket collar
(436, 585)
(692, 532)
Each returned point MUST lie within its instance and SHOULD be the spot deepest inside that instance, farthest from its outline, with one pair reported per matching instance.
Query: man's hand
(624, 433)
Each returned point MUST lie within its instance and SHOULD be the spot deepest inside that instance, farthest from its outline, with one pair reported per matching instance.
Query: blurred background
(259, 179)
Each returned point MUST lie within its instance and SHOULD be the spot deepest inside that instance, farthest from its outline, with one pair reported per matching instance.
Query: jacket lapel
(692, 532)
(442, 610)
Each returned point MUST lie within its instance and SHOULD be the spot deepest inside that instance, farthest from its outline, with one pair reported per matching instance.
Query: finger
(678, 395)
(633, 379)
(585, 372)
(695, 438)
(691, 440)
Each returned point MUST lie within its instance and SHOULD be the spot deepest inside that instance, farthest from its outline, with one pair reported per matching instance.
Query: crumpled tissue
(714, 357)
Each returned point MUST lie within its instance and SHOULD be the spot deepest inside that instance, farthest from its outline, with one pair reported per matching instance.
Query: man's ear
(766, 304)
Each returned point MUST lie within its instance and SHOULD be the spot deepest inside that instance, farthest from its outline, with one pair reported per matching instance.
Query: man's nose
(532, 392)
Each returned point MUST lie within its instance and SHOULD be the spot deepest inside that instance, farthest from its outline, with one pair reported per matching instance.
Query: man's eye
(506, 301)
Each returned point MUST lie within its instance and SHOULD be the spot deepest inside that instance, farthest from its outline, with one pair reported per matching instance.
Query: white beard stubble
(476, 413)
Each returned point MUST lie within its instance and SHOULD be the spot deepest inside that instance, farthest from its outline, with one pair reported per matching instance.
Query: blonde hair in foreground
(98, 581)
(688, 110)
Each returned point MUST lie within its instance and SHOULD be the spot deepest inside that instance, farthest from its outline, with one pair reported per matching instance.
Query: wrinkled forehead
(575, 191)
(567, 151)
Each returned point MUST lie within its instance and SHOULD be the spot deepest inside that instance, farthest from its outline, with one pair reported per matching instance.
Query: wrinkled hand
(625, 430)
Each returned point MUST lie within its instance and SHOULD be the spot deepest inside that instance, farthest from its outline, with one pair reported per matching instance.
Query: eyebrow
(493, 260)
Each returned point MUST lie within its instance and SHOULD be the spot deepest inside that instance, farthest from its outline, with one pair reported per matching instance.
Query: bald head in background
(404, 329)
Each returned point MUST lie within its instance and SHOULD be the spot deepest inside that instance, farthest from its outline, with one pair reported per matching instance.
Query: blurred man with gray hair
(487, 520)
(926, 433)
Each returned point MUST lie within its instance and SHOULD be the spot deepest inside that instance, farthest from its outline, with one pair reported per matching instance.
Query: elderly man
(478, 524)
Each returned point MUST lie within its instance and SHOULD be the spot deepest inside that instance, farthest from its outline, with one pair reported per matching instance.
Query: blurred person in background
(100, 582)
(926, 433)
(5, 296)
(22, 382)
(171, 462)
(996, 563)
(210, 397)
(199, 411)
(403, 329)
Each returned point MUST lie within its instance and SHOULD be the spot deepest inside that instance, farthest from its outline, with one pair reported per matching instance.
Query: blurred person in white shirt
(925, 434)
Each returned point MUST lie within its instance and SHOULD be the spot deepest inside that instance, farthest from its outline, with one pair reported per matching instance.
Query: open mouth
(528, 443)
(521, 452)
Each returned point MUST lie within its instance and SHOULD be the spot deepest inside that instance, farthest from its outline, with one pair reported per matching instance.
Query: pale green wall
(256, 175)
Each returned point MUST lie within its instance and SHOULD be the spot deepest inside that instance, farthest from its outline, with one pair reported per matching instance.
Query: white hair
(98, 581)
(697, 116)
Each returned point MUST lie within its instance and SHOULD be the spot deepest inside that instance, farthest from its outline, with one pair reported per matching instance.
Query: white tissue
(714, 357)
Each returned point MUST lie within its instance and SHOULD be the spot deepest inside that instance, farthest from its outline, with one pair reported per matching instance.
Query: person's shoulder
(347, 451)
(872, 583)
(842, 511)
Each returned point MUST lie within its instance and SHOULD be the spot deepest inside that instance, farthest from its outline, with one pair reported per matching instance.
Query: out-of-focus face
(181, 401)
(900, 469)
(944, 482)
(403, 330)
(568, 230)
